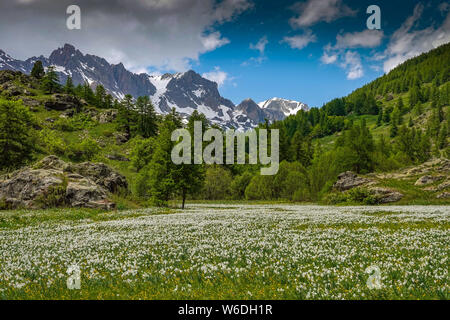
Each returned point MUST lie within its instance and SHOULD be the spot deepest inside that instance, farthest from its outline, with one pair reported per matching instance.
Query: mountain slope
(185, 92)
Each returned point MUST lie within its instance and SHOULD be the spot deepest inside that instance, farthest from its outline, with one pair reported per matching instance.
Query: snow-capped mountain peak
(287, 107)
(184, 91)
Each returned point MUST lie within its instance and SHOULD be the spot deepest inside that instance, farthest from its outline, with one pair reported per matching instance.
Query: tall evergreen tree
(69, 87)
(38, 70)
(15, 134)
(161, 170)
(50, 82)
(189, 178)
(126, 115)
(147, 119)
(100, 94)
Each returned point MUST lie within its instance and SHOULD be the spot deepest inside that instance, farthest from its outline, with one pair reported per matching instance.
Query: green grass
(413, 195)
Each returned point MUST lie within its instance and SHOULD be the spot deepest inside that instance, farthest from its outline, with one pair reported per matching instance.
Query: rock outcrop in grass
(55, 183)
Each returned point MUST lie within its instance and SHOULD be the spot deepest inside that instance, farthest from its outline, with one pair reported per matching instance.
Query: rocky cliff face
(252, 111)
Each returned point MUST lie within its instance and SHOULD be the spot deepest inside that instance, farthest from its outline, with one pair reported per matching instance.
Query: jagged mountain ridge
(185, 92)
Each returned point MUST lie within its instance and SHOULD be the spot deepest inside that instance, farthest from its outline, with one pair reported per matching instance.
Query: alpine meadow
(348, 199)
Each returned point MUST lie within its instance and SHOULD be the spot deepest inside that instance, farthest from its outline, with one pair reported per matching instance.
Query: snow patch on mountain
(287, 107)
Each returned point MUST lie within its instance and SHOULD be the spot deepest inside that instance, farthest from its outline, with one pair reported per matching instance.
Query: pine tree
(147, 119)
(126, 117)
(161, 170)
(442, 139)
(189, 178)
(380, 117)
(88, 94)
(15, 134)
(69, 87)
(50, 82)
(100, 94)
(108, 101)
(38, 70)
(401, 106)
(394, 129)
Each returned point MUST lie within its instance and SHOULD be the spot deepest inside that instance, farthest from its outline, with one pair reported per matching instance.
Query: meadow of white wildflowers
(230, 252)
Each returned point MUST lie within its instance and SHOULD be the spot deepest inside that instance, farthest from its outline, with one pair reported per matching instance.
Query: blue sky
(300, 74)
(306, 50)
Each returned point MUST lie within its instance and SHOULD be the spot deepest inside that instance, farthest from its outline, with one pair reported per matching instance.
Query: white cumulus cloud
(352, 62)
(217, 75)
(408, 42)
(300, 41)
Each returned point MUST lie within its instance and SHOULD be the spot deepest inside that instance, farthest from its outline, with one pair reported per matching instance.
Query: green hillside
(398, 121)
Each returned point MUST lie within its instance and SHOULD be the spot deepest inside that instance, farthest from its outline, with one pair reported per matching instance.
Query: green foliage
(38, 70)
(16, 143)
(291, 178)
(355, 148)
(86, 150)
(126, 115)
(52, 142)
(69, 88)
(239, 184)
(353, 196)
(217, 185)
(146, 118)
(414, 144)
(4, 205)
(64, 124)
(50, 82)
(189, 178)
(142, 153)
(100, 95)
(162, 175)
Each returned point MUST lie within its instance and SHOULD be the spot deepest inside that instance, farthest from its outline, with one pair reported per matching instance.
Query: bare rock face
(101, 174)
(53, 182)
(427, 179)
(62, 102)
(106, 116)
(444, 185)
(21, 188)
(444, 195)
(385, 195)
(348, 180)
(121, 137)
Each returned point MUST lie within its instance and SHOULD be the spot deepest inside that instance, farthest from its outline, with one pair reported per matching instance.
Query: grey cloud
(165, 34)
(314, 11)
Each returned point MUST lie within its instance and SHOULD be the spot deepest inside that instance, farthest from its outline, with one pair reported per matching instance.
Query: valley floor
(227, 251)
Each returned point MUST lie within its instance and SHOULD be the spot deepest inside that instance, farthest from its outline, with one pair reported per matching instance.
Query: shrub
(64, 124)
(84, 151)
(141, 187)
(52, 142)
(217, 183)
(5, 205)
(355, 195)
(239, 185)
